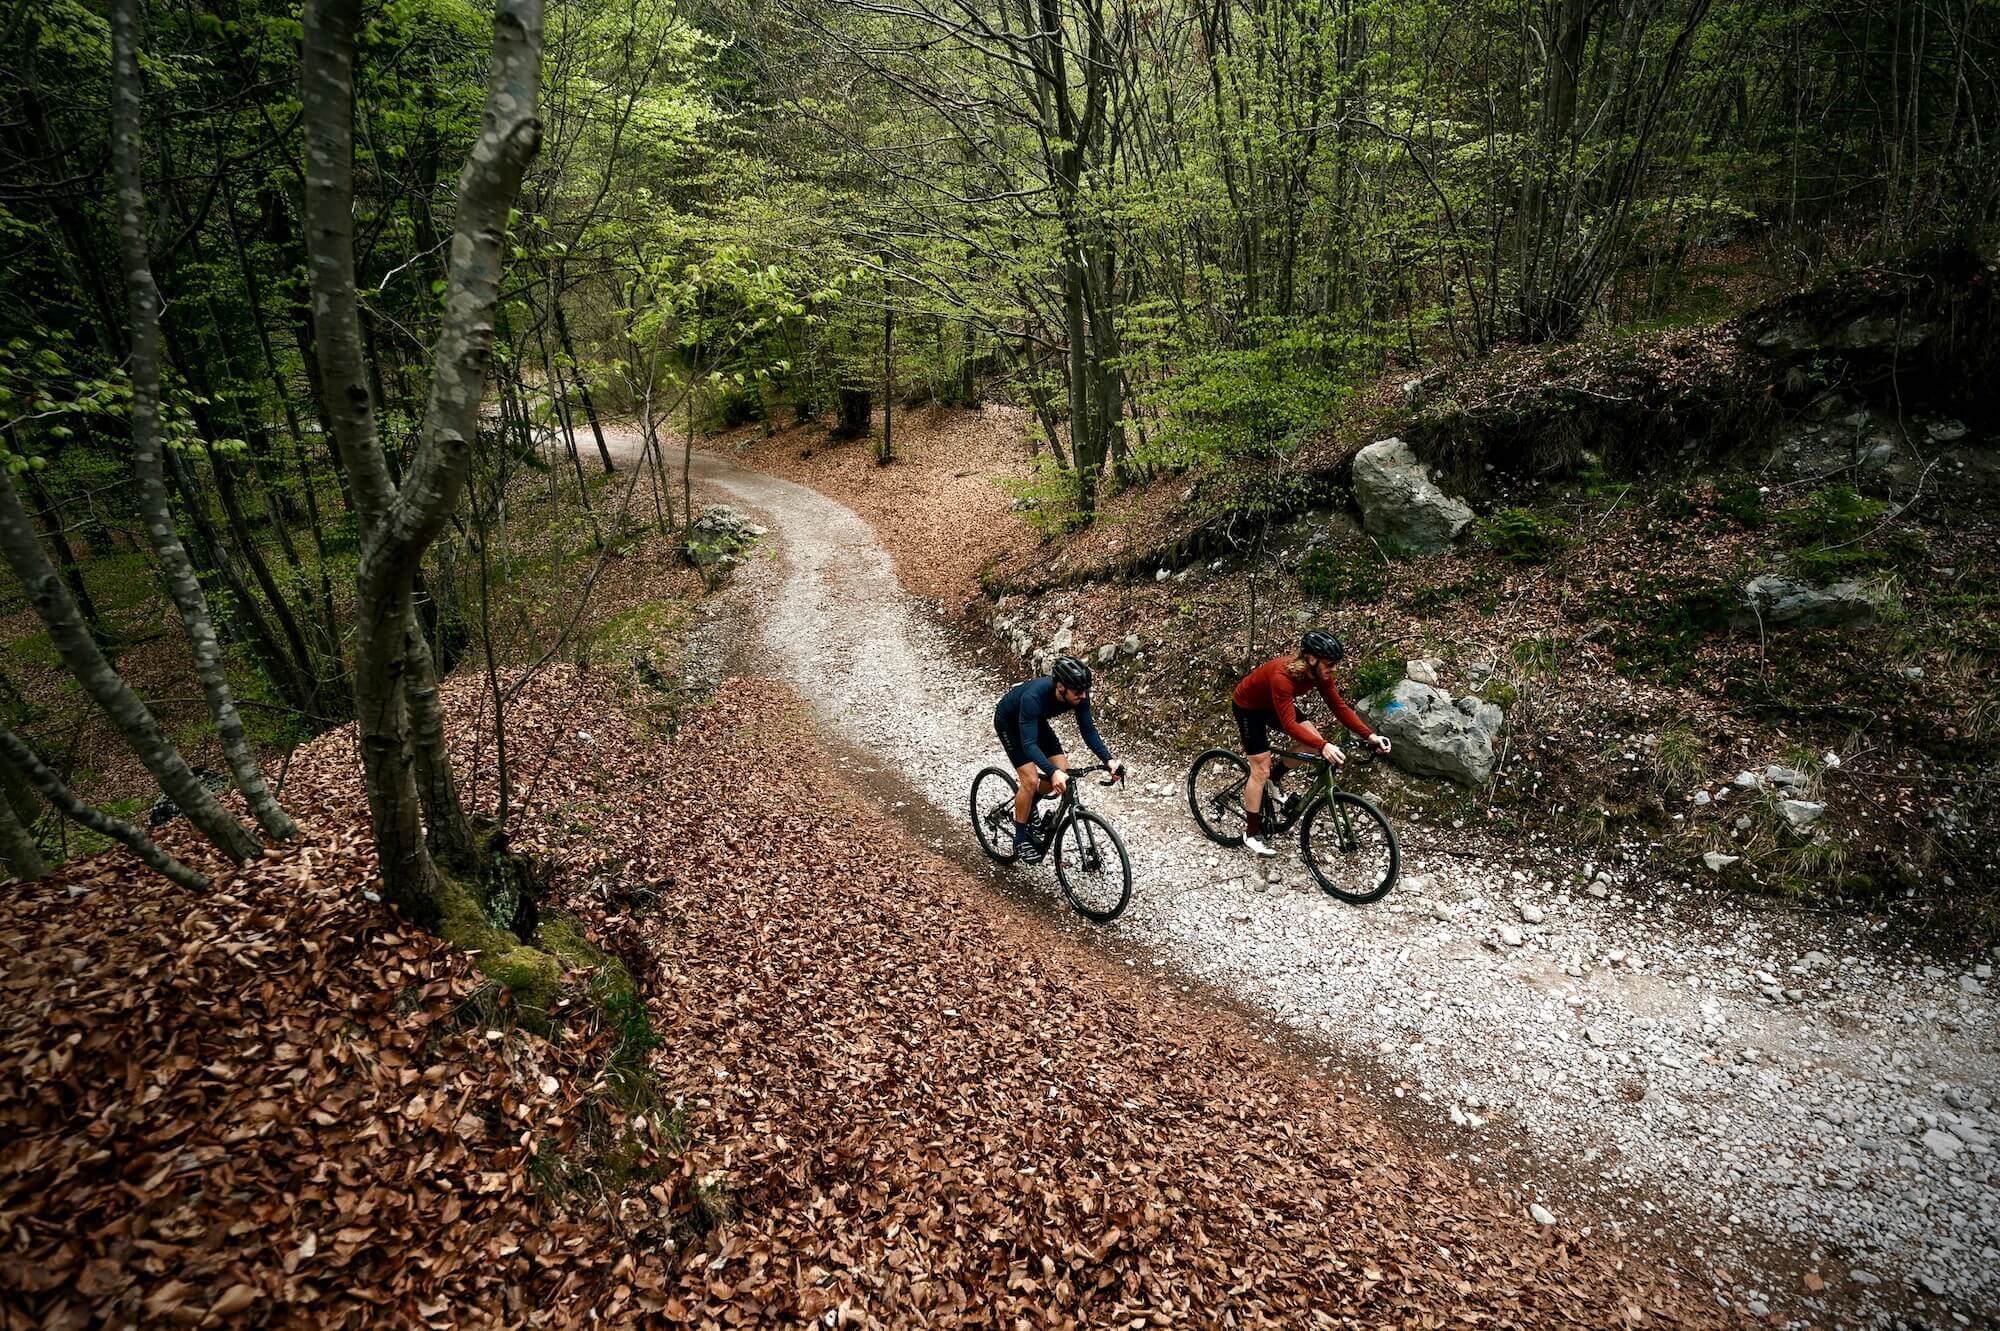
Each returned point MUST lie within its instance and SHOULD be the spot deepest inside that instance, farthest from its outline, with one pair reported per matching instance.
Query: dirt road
(1783, 1103)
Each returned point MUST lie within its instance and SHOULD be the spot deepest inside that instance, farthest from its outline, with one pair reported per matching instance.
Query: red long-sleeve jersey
(1269, 688)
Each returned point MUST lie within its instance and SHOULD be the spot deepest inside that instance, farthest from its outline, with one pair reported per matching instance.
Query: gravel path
(1795, 1105)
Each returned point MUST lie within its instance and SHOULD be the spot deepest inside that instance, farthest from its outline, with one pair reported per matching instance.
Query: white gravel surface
(1778, 1094)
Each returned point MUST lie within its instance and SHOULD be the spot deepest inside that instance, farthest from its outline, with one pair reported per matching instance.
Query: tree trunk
(260, 569)
(17, 842)
(855, 412)
(399, 521)
(886, 453)
(15, 751)
(79, 651)
(247, 618)
(148, 439)
(72, 568)
(582, 385)
(449, 830)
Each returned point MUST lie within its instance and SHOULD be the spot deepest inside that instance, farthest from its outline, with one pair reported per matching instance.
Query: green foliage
(1047, 496)
(1660, 623)
(1376, 674)
(1523, 535)
(1677, 758)
(1248, 404)
(1673, 503)
(1742, 502)
(1841, 534)
(1535, 658)
(1341, 577)
(1833, 514)
(1477, 587)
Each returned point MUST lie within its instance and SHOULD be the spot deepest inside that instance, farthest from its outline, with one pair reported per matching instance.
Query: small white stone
(1800, 814)
(1541, 1214)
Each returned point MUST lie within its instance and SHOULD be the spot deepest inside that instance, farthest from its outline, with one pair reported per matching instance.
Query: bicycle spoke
(1351, 849)
(1215, 795)
(1092, 868)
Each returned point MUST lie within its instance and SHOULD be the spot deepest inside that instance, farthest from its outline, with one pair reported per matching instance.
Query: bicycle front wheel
(1092, 867)
(993, 813)
(1215, 795)
(1350, 848)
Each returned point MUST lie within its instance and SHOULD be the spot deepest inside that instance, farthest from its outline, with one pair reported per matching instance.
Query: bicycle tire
(990, 833)
(1365, 815)
(1229, 758)
(1078, 838)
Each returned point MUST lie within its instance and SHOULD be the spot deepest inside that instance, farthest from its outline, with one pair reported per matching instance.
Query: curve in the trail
(1619, 1043)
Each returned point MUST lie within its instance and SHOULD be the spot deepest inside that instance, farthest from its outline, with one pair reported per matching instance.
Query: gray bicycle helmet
(1072, 674)
(1320, 643)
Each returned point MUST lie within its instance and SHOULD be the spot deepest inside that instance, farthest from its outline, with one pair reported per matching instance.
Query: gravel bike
(1090, 860)
(1343, 838)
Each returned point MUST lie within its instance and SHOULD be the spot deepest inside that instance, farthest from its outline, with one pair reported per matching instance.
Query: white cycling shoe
(1256, 847)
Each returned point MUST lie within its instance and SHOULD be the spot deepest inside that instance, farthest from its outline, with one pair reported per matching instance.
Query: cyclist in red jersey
(1266, 700)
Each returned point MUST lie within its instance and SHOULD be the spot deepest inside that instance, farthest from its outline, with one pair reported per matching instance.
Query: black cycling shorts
(1009, 731)
(1255, 727)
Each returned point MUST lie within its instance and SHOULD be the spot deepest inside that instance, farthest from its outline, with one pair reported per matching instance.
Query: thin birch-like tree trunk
(106, 687)
(143, 306)
(16, 751)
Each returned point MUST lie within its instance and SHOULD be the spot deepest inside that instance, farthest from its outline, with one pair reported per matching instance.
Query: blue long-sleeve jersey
(1028, 705)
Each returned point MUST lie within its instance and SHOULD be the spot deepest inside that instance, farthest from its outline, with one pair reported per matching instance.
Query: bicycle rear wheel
(1215, 795)
(1092, 867)
(993, 812)
(1350, 848)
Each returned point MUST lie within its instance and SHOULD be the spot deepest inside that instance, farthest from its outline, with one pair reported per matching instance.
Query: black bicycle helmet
(1072, 674)
(1320, 643)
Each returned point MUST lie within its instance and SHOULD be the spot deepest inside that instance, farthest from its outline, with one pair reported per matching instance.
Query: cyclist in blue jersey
(1022, 723)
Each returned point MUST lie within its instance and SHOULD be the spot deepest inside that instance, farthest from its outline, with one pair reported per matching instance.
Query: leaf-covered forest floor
(874, 1092)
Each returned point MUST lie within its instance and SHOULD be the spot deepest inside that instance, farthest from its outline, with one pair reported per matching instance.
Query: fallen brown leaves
(930, 1107)
(276, 1104)
(940, 509)
(917, 1103)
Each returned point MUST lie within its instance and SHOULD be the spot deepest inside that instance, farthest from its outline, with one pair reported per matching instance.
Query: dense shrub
(1523, 535)
(1340, 578)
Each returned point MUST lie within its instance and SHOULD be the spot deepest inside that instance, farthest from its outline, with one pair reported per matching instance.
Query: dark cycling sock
(1256, 823)
(1020, 833)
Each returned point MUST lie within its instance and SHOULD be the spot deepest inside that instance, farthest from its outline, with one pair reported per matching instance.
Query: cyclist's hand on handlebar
(1114, 772)
(1333, 754)
(1380, 743)
(1059, 781)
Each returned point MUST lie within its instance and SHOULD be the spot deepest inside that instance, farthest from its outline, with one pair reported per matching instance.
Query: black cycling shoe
(1027, 852)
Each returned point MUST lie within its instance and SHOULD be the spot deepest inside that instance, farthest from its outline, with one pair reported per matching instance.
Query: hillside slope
(883, 1094)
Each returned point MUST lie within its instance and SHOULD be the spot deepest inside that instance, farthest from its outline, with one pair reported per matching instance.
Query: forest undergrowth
(1627, 489)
